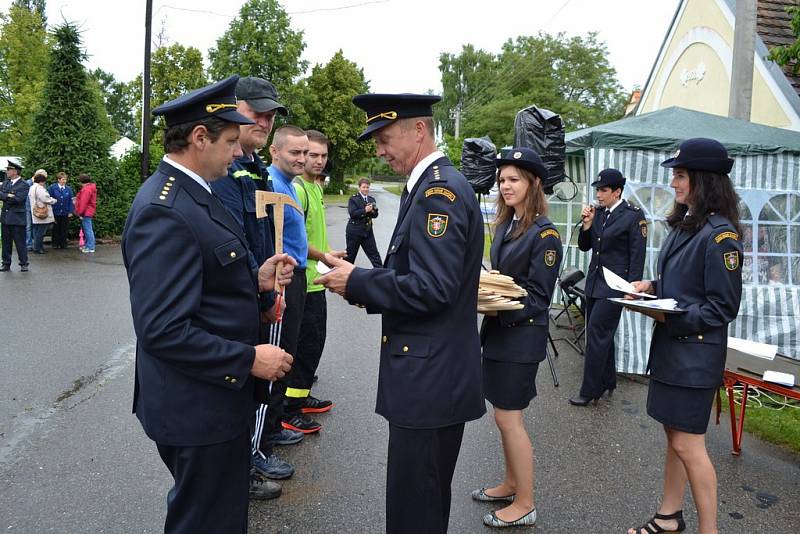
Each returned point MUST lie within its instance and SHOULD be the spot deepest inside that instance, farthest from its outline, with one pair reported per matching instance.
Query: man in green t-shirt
(311, 341)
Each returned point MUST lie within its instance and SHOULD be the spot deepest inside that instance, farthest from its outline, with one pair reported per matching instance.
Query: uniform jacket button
(233, 254)
(233, 380)
(385, 339)
(227, 379)
(700, 337)
(405, 349)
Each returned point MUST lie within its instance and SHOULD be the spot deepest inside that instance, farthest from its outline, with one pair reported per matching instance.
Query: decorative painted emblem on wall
(695, 75)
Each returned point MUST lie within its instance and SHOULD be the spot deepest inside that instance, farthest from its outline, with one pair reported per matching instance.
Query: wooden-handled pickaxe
(278, 200)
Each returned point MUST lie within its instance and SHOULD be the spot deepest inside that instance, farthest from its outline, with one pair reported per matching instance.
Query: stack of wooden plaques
(496, 292)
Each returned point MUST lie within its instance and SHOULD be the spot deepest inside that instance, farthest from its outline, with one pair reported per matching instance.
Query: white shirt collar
(15, 180)
(420, 167)
(188, 172)
(612, 208)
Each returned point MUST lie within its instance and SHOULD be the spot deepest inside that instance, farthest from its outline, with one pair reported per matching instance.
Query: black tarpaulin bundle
(543, 131)
(478, 163)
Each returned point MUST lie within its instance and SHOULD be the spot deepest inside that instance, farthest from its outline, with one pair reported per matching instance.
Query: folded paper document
(784, 379)
(662, 305)
(618, 283)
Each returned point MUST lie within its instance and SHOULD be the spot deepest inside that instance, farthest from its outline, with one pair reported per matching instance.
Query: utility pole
(744, 42)
(148, 23)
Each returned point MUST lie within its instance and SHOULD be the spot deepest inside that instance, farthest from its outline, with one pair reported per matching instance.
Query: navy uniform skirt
(509, 385)
(682, 408)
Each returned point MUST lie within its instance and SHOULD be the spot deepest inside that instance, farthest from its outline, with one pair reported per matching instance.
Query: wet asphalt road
(73, 459)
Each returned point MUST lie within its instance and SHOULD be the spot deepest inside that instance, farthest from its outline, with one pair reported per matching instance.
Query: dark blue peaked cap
(609, 178)
(215, 100)
(524, 158)
(383, 109)
(701, 154)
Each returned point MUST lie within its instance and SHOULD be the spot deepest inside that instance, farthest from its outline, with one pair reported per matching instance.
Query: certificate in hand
(618, 283)
(661, 305)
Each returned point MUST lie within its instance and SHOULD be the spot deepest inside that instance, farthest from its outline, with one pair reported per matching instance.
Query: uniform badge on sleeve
(731, 260)
(549, 257)
(643, 228)
(437, 224)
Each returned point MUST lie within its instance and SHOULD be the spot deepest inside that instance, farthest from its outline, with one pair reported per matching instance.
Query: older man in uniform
(430, 371)
(14, 194)
(617, 237)
(194, 301)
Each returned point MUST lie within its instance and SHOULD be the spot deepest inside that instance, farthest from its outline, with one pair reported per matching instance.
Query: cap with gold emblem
(215, 100)
(524, 158)
(383, 109)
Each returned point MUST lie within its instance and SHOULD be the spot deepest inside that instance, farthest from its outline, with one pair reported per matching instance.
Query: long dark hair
(710, 193)
(535, 203)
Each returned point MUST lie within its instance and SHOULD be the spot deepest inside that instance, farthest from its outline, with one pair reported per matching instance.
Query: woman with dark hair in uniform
(526, 247)
(700, 267)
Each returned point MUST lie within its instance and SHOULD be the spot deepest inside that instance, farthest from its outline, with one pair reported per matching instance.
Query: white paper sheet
(618, 283)
(322, 268)
(753, 348)
(776, 377)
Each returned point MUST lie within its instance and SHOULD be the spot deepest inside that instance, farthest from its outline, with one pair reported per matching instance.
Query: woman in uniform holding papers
(700, 267)
(526, 247)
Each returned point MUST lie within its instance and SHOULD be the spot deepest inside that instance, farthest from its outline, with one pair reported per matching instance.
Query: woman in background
(40, 201)
(85, 208)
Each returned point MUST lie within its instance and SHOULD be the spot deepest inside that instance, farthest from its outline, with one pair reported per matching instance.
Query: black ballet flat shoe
(580, 400)
(651, 527)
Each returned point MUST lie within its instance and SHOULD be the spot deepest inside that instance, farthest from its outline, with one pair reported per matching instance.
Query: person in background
(41, 202)
(617, 237)
(63, 209)
(85, 207)
(28, 214)
(363, 209)
(14, 194)
(700, 267)
(528, 248)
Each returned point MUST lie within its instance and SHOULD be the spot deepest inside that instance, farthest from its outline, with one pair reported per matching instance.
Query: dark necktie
(511, 228)
(606, 215)
(404, 196)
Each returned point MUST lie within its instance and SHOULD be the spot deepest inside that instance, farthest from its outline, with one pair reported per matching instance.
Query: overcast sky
(396, 42)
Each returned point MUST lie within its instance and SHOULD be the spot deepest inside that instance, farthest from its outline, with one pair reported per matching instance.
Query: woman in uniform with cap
(700, 267)
(526, 247)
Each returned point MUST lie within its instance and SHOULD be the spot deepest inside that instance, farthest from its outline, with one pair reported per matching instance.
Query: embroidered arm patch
(440, 191)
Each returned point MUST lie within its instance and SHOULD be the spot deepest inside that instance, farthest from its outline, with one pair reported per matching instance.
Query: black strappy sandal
(654, 528)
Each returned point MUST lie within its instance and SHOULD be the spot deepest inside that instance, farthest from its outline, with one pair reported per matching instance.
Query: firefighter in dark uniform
(617, 237)
(13, 194)
(194, 302)
(528, 248)
(700, 267)
(429, 381)
(363, 210)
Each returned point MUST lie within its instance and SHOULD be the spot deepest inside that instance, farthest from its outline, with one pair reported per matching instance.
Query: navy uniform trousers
(599, 365)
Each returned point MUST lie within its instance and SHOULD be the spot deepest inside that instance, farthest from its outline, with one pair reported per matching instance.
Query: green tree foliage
(261, 42)
(120, 102)
(71, 131)
(789, 54)
(570, 76)
(24, 52)
(34, 6)
(329, 92)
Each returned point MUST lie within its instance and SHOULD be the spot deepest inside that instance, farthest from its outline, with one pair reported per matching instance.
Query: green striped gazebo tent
(766, 175)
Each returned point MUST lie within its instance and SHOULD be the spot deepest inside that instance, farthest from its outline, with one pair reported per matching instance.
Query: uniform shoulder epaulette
(717, 220)
(166, 195)
(436, 175)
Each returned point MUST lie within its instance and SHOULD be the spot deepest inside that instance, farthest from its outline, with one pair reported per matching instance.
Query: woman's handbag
(40, 212)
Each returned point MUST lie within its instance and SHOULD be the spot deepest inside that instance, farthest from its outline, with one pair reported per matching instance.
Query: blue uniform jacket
(237, 192)
(703, 272)
(533, 261)
(360, 222)
(64, 205)
(427, 291)
(619, 246)
(13, 212)
(194, 301)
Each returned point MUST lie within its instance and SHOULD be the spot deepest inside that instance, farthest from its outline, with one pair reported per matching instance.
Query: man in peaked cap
(429, 382)
(194, 301)
(616, 233)
(14, 194)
